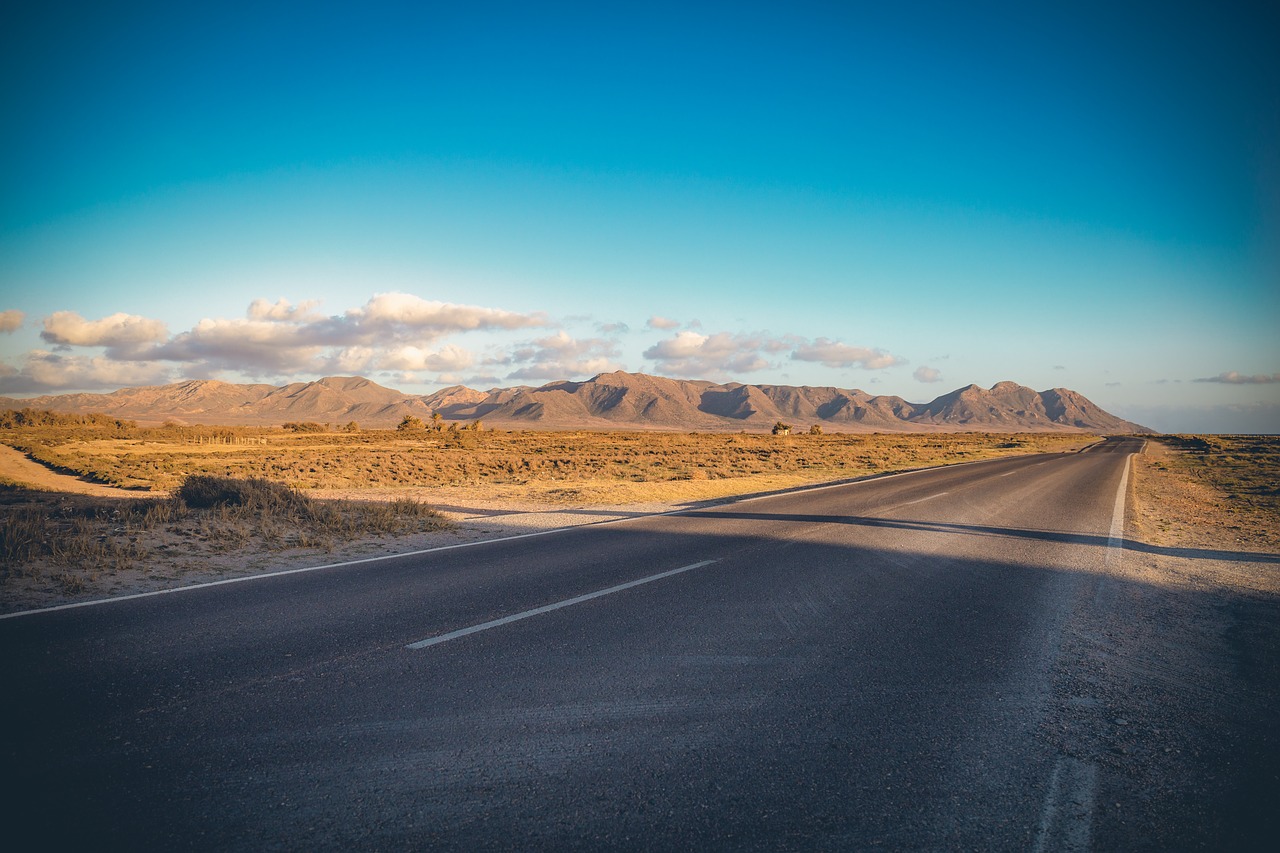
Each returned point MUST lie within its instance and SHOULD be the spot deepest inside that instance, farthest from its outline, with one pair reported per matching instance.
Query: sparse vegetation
(414, 456)
(248, 493)
(1244, 468)
(410, 423)
(305, 426)
(247, 490)
(72, 540)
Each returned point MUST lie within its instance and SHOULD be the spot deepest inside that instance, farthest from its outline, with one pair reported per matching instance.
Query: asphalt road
(888, 664)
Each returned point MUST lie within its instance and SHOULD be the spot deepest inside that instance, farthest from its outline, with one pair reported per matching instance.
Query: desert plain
(95, 507)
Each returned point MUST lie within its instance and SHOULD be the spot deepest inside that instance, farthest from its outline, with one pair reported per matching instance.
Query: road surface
(918, 661)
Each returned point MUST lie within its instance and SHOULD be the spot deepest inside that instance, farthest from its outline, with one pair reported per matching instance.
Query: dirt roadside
(15, 467)
(1171, 668)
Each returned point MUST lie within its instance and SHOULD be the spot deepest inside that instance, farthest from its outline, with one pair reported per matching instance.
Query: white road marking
(922, 500)
(568, 602)
(1115, 537)
(1067, 819)
(282, 572)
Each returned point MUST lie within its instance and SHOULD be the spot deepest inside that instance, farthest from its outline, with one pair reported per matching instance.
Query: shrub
(203, 491)
(306, 426)
(409, 423)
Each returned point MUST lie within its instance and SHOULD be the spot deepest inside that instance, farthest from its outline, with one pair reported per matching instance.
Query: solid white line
(1115, 537)
(568, 602)
(280, 573)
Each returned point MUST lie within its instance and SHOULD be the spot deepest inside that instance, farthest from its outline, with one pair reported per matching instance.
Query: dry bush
(75, 537)
(70, 540)
(202, 491)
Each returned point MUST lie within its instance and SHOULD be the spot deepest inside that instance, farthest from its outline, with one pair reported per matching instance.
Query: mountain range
(609, 401)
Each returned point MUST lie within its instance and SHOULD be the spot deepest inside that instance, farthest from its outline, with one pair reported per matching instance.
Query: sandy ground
(17, 468)
(1167, 511)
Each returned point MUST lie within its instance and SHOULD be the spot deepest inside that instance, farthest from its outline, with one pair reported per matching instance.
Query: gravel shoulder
(1171, 668)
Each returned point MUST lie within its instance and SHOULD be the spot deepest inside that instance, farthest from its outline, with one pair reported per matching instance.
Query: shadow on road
(1008, 532)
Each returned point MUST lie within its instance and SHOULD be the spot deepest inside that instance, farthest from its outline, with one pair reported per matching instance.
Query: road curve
(883, 664)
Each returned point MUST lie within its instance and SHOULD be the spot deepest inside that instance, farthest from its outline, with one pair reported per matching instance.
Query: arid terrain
(94, 508)
(609, 401)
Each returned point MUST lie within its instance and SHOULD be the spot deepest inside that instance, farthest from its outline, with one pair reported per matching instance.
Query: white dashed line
(922, 500)
(568, 602)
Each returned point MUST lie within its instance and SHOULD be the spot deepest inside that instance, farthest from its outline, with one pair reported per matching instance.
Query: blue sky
(903, 198)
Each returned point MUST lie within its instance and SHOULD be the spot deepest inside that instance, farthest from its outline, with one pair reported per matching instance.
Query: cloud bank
(390, 332)
(1233, 378)
(835, 354)
(692, 354)
(397, 335)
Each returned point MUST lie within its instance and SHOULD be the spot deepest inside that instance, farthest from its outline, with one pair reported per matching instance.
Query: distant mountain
(608, 401)
(336, 399)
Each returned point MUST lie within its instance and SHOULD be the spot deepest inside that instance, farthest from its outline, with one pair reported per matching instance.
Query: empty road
(918, 661)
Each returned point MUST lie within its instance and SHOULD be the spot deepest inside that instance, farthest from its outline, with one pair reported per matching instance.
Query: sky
(904, 198)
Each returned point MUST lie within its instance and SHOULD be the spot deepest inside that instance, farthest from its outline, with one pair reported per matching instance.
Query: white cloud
(692, 354)
(256, 347)
(282, 310)
(125, 331)
(46, 371)
(1234, 378)
(351, 360)
(448, 358)
(11, 320)
(835, 354)
(927, 374)
(561, 356)
(662, 323)
(405, 313)
(391, 331)
(388, 332)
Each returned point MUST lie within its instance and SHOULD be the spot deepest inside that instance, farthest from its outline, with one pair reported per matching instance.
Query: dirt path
(16, 467)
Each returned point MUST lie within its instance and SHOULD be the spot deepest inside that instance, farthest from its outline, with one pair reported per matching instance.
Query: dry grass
(1244, 468)
(1231, 492)
(595, 464)
(72, 541)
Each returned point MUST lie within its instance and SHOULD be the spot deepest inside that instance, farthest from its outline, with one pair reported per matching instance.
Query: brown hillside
(608, 401)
